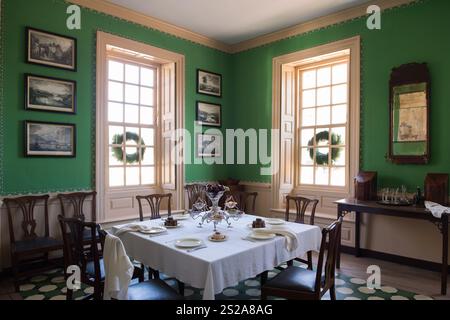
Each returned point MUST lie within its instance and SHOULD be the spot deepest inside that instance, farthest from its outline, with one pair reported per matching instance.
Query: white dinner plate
(188, 243)
(181, 216)
(154, 230)
(262, 236)
(275, 221)
(171, 227)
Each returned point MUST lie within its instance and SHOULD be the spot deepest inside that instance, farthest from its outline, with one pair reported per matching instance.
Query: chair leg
(153, 274)
(180, 287)
(263, 294)
(15, 272)
(142, 274)
(98, 292)
(69, 294)
(264, 277)
(310, 263)
(332, 293)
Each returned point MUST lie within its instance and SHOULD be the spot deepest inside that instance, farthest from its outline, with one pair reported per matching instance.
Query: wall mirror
(409, 114)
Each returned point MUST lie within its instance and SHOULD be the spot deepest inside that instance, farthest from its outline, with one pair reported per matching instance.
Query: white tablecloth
(221, 264)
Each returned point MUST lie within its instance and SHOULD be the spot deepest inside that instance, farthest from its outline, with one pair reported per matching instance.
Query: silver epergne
(215, 213)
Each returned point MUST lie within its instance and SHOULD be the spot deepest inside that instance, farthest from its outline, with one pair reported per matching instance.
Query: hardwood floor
(396, 275)
(392, 274)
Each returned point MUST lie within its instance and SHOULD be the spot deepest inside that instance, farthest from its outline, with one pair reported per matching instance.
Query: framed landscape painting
(50, 139)
(209, 145)
(209, 83)
(51, 49)
(209, 114)
(50, 94)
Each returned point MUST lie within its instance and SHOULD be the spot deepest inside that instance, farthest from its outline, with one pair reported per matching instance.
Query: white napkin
(436, 209)
(134, 227)
(118, 269)
(291, 238)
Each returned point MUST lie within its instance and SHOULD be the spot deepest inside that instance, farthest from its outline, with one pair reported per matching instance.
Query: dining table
(217, 265)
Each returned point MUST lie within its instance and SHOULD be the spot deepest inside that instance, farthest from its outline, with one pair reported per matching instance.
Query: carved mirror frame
(409, 113)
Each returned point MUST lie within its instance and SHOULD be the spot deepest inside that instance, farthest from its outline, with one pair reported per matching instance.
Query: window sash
(317, 128)
(137, 126)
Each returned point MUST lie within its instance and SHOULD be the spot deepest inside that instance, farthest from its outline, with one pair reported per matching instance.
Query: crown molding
(319, 23)
(150, 22)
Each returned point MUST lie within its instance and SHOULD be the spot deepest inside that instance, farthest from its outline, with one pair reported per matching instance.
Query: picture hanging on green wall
(50, 139)
(51, 49)
(50, 94)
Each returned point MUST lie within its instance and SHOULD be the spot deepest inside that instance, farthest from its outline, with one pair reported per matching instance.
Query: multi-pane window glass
(131, 124)
(324, 124)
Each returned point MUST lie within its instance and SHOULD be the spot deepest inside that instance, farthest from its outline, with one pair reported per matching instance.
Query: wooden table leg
(338, 258)
(444, 254)
(357, 233)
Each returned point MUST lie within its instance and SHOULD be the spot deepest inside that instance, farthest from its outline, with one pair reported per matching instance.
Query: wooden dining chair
(154, 201)
(301, 205)
(88, 257)
(152, 289)
(85, 256)
(246, 201)
(74, 203)
(194, 192)
(30, 247)
(295, 283)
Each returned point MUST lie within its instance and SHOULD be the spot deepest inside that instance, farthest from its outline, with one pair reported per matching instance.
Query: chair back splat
(154, 201)
(301, 205)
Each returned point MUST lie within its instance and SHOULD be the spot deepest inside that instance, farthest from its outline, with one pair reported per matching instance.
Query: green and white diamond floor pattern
(51, 286)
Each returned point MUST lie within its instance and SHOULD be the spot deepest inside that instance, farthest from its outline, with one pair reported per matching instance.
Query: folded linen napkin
(436, 209)
(118, 269)
(133, 227)
(290, 236)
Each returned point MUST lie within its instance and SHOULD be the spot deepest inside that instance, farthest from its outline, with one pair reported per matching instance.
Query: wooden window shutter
(168, 125)
(287, 132)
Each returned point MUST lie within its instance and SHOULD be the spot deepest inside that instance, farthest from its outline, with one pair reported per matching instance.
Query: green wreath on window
(118, 151)
(322, 158)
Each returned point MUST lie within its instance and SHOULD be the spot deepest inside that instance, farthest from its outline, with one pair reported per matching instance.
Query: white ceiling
(233, 21)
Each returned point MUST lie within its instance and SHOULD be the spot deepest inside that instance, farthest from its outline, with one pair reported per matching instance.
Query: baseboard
(412, 262)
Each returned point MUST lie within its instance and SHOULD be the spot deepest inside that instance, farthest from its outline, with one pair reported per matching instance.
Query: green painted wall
(416, 33)
(23, 175)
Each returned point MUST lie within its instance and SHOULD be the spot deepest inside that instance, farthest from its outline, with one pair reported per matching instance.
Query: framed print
(209, 145)
(50, 94)
(209, 83)
(51, 49)
(50, 139)
(209, 114)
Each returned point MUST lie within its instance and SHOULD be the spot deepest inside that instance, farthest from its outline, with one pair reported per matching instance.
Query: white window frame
(170, 171)
(285, 159)
(117, 57)
(316, 187)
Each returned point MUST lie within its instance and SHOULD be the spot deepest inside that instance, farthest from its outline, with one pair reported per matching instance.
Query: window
(323, 123)
(316, 97)
(131, 114)
(139, 114)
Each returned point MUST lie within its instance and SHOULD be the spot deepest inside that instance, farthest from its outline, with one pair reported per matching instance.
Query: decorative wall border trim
(319, 23)
(156, 24)
(150, 22)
